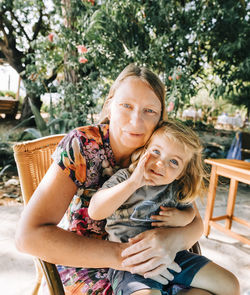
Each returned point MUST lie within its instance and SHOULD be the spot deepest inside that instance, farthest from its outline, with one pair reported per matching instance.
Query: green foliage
(7, 93)
(116, 33)
(229, 49)
(7, 161)
(43, 128)
(176, 39)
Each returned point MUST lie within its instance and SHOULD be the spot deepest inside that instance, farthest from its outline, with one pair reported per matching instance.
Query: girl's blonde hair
(191, 183)
(144, 75)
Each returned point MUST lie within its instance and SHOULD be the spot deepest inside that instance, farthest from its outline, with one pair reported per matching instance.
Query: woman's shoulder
(97, 133)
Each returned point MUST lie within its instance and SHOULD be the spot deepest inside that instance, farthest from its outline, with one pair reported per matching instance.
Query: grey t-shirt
(133, 216)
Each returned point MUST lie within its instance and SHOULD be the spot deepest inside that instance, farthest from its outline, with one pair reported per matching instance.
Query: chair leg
(52, 277)
(39, 275)
(196, 248)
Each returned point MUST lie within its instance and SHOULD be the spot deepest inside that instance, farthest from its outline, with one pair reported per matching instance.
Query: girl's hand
(152, 252)
(168, 216)
(138, 175)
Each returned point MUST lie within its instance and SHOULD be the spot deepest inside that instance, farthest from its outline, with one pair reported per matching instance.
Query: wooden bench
(8, 106)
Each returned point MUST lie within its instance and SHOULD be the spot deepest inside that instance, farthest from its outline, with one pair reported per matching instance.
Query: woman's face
(135, 111)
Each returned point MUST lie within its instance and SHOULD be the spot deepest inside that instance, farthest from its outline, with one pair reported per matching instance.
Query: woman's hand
(152, 252)
(165, 276)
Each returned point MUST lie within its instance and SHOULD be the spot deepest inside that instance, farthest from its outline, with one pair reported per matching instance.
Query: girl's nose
(160, 165)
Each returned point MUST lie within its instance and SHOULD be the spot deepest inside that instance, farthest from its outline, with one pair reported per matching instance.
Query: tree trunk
(26, 110)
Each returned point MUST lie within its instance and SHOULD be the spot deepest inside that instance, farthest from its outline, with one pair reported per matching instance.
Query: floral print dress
(86, 157)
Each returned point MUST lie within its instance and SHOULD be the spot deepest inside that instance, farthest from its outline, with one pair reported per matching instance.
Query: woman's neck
(122, 155)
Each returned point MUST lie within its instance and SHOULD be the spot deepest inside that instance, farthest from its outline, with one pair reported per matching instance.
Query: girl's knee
(233, 285)
(230, 283)
(216, 280)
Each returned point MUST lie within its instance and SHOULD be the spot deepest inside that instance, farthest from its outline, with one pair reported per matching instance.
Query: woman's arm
(39, 235)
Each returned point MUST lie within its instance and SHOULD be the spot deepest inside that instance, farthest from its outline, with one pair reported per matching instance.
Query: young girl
(157, 191)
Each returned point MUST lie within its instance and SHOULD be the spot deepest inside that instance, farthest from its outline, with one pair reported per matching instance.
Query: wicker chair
(33, 159)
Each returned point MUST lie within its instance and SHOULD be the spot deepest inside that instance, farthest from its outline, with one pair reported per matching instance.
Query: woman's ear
(108, 108)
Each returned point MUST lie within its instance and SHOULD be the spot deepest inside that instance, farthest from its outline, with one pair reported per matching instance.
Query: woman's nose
(136, 118)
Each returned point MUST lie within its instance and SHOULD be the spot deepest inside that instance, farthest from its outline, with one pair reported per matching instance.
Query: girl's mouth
(156, 173)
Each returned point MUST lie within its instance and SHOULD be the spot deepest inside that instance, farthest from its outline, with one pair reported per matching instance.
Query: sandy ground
(17, 272)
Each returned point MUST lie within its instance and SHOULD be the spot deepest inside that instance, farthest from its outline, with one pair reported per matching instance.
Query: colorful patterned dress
(86, 157)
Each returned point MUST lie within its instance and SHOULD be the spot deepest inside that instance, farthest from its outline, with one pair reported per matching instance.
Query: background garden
(72, 50)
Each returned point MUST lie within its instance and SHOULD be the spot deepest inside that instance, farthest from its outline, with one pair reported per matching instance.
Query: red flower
(178, 77)
(82, 49)
(92, 2)
(169, 78)
(82, 60)
(51, 37)
(170, 106)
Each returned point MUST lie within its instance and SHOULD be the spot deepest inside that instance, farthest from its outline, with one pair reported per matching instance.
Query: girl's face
(167, 160)
(134, 112)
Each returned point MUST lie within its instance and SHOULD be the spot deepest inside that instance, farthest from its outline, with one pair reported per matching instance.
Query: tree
(116, 33)
(21, 24)
(228, 48)
(90, 42)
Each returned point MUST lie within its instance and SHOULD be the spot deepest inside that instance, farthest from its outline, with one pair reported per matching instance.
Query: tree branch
(53, 75)
(38, 25)
(20, 25)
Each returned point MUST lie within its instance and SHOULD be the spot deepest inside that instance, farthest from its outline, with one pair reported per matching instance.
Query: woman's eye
(174, 163)
(150, 111)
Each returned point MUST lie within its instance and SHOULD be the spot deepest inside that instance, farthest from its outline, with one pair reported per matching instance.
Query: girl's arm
(106, 201)
(39, 235)
(170, 216)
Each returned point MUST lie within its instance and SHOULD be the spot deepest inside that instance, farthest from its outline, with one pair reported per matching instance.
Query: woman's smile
(132, 133)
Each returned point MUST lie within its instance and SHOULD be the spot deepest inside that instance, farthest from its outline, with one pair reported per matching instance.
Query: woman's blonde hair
(191, 183)
(144, 75)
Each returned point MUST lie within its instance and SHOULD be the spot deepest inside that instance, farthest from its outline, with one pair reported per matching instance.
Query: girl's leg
(147, 292)
(216, 280)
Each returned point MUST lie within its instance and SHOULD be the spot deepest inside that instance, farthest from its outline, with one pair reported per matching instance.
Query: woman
(82, 162)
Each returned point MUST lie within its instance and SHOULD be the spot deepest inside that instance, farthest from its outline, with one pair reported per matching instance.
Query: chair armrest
(52, 277)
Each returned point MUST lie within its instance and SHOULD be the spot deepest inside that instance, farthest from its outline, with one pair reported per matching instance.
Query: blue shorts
(125, 283)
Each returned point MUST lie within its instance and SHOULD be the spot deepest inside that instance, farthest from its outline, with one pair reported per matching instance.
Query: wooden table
(236, 170)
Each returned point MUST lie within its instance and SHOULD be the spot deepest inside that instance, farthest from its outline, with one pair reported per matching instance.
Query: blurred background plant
(77, 48)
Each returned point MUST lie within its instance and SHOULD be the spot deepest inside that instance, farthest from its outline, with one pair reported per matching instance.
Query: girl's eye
(174, 163)
(126, 105)
(156, 152)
